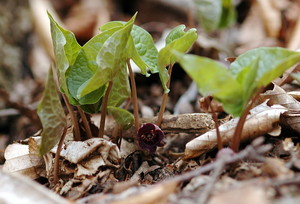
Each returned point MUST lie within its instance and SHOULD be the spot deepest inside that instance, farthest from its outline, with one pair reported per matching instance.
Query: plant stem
(57, 155)
(85, 123)
(134, 97)
(215, 118)
(104, 108)
(239, 128)
(73, 119)
(165, 99)
(115, 134)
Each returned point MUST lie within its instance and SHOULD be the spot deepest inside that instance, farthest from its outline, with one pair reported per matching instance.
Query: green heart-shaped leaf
(52, 116)
(213, 79)
(108, 60)
(66, 50)
(121, 88)
(249, 72)
(273, 61)
(141, 48)
(177, 40)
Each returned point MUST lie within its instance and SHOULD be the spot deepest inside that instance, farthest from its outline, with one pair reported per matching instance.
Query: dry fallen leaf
(19, 189)
(85, 17)
(278, 96)
(19, 159)
(276, 168)
(155, 194)
(271, 15)
(294, 40)
(206, 106)
(70, 151)
(77, 187)
(84, 167)
(254, 23)
(261, 120)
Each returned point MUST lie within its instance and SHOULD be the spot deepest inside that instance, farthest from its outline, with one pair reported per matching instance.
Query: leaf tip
(133, 17)
(50, 16)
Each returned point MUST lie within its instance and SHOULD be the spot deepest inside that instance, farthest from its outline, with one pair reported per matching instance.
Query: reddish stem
(134, 97)
(239, 128)
(104, 108)
(115, 134)
(57, 155)
(73, 119)
(165, 99)
(215, 118)
(85, 123)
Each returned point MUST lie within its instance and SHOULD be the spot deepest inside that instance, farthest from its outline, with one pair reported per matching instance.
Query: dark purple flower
(150, 136)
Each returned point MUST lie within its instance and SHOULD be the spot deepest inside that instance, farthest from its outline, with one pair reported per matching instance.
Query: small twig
(104, 108)
(73, 118)
(251, 152)
(85, 123)
(236, 139)
(165, 99)
(270, 182)
(57, 155)
(288, 181)
(134, 97)
(204, 196)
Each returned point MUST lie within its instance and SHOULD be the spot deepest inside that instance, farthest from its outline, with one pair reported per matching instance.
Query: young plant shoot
(141, 49)
(94, 76)
(241, 84)
(178, 40)
(79, 67)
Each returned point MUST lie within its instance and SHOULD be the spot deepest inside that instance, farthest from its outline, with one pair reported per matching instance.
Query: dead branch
(253, 152)
(198, 123)
(208, 189)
